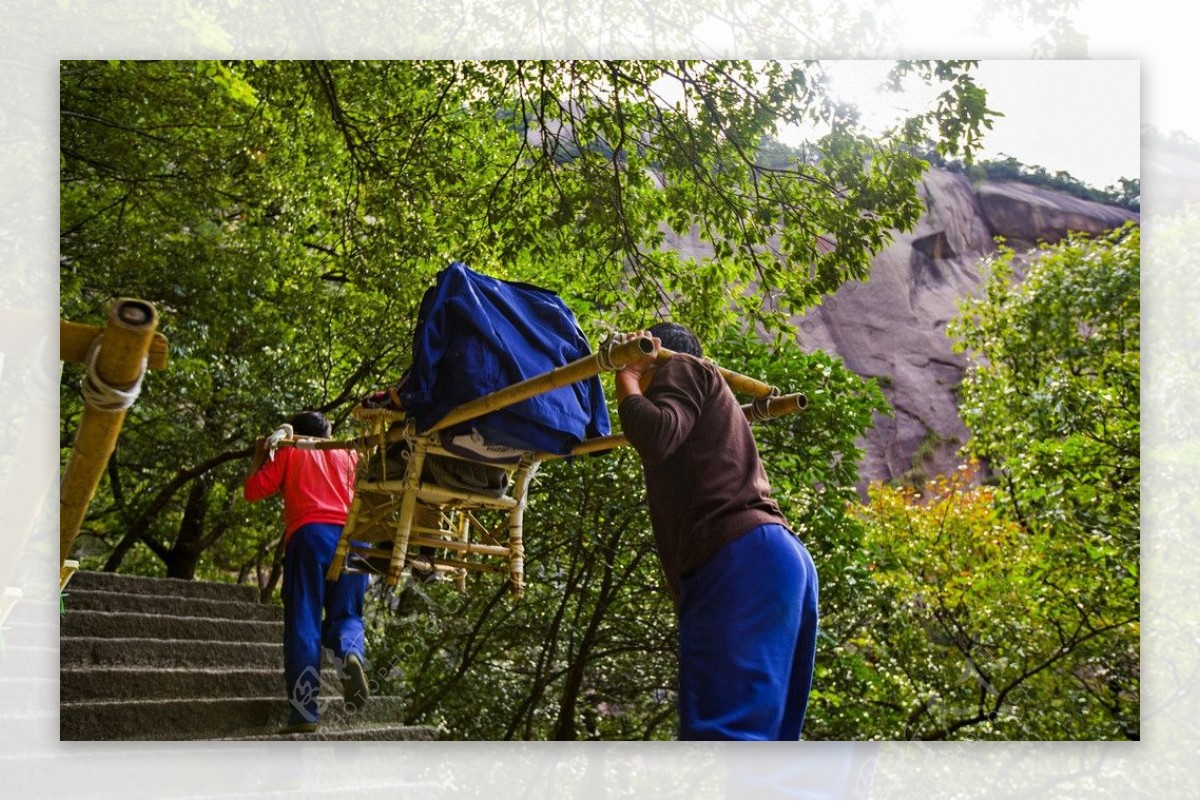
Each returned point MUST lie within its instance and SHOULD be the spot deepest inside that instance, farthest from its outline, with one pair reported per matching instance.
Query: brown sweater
(704, 479)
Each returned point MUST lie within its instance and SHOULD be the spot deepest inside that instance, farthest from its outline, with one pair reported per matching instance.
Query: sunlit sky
(1081, 116)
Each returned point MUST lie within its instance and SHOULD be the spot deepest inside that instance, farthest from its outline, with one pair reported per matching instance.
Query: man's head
(310, 424)
(678, 338)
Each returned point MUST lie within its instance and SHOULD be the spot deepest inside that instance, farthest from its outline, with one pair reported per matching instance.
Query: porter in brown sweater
(704, 481)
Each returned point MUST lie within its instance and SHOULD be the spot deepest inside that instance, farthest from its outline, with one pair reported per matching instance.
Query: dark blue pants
(747, 640)
(316, 612)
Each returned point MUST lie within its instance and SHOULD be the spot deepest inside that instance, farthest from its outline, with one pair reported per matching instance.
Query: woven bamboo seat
(409, 521)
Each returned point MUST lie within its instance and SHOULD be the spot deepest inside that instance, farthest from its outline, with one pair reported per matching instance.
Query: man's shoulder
(325, 456)
(686, 367)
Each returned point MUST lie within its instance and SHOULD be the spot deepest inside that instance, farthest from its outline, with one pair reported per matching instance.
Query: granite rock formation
(893, 326)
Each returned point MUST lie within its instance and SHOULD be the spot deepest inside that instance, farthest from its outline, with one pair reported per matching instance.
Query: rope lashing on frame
(101, 395)
(604, 356)
(757, 411)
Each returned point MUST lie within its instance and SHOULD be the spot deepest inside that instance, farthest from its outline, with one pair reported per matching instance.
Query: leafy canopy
(286, 216)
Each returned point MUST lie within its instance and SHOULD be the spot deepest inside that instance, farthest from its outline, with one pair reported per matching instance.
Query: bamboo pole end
(133, 313)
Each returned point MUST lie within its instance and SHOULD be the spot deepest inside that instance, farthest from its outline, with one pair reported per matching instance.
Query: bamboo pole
(464, 547)
(124, 345)
(69, 568)
(516, 527)
(342, 551)
(363, 442)
(75, 339)
(775, 406)
(593, 445)
(439, 496)
(759, 410)
(408, 505)
(479, 567)
(460, 529)
(612, 357)
(736, 381)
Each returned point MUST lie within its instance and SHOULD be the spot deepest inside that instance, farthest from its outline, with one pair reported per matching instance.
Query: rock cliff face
(893, 327)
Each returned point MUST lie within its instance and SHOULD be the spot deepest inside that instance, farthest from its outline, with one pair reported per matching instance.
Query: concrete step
(174, 605)
(209, 719)
(83, 622)
(145, 585)
(169, 653)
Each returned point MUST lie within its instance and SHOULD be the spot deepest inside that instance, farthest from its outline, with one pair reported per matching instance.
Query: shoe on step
(355, 691)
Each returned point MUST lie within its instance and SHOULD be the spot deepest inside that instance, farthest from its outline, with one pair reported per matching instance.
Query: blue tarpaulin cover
(475, 335)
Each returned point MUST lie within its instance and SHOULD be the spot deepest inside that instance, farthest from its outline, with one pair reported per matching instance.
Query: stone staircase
(164, 659)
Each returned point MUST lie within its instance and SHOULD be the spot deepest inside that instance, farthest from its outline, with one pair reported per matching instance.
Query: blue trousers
(316, 612)
(747, 640)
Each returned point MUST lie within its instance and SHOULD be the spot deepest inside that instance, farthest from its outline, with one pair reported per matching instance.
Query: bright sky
(1081, 116)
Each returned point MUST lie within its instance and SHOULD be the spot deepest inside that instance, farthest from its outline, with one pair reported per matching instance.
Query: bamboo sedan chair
(408, 519)
(409, 522)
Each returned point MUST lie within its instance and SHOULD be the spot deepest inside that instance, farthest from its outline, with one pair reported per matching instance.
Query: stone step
(146, 585)
(208, 719)
(358, 733)
(169, 653)
(135, 682)
(144, 659)
(109, 625)
(175, 605)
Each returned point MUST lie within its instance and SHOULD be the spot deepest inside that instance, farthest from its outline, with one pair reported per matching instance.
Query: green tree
(1053, 404)
(1053, 398)
(974, 627)
(285, 218)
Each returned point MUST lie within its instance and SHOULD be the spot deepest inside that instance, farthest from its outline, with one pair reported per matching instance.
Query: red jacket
(317, 486)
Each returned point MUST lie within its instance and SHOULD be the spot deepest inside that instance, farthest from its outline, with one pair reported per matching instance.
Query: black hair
(678, 338)
(310, 424)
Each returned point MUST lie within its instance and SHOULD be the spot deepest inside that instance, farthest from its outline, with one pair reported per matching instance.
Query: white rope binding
(604, 354)
(103, 396)
(277, 436)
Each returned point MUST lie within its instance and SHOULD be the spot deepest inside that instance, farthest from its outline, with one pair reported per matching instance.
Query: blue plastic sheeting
(476, 335)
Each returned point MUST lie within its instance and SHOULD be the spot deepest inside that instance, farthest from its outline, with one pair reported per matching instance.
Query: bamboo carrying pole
(775, 406)
(75, 339)
(123, 347)
(761, 409)
(611, 357)
(736, 381)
